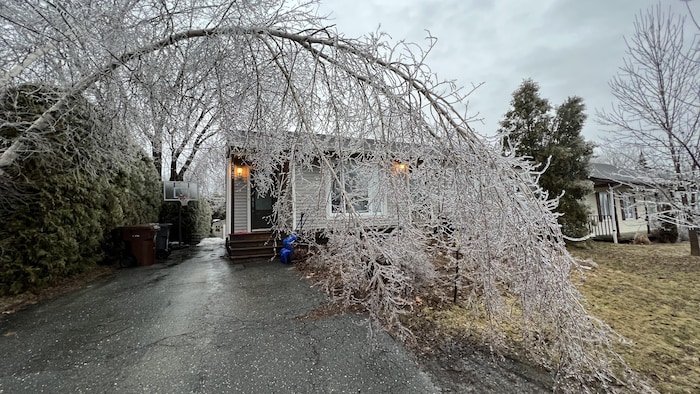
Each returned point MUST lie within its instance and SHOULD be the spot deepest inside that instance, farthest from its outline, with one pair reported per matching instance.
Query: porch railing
(601, 225)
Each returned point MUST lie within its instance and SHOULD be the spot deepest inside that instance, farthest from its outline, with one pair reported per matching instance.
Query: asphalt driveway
(199, 325)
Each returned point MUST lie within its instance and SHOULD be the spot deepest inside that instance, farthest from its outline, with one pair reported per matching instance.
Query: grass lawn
(651, 295)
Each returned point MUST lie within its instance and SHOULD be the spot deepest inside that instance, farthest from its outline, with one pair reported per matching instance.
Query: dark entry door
(260, 210)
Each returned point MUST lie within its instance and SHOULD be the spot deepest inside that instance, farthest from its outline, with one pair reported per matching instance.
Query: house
(618, 209)
(312, 190)
(217, 228)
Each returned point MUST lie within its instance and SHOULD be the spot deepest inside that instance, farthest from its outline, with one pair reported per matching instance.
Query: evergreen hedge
(82, 181)
(196, 220)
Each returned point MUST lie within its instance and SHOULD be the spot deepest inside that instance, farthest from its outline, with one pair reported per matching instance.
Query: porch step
(240, 254)
(241, 257)
(255, 236)
(242, 246)
(238, 244)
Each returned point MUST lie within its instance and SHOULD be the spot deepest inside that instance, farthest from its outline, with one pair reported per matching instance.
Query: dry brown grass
(651, 295)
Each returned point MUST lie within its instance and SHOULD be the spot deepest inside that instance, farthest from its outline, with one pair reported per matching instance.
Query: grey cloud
(570, 47)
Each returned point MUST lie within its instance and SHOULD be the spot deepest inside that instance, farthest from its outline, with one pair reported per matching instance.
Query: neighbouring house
(617, 211)
(310, 192)
(217, 228)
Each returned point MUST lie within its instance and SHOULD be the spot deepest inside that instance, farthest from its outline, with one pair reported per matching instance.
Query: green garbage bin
(163, 241)
(141, 239)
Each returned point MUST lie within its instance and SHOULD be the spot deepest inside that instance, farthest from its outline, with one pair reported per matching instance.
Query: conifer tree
(529, 129)
(642, 163)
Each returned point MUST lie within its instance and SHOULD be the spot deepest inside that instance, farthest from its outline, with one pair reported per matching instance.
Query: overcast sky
(569, 47)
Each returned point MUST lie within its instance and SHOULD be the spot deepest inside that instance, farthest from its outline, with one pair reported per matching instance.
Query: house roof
(601, 172)
(250, 141)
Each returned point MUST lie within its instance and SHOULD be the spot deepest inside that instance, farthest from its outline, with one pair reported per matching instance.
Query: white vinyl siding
(241, 203)
(310, 198)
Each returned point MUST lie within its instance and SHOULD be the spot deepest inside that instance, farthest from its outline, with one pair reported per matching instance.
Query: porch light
(240, 171)
(399, 168)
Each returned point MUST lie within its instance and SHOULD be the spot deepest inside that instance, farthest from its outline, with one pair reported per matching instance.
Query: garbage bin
(163, 241)
(142, 242)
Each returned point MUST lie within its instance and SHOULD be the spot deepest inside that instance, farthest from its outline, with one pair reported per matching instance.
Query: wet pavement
(200, 325)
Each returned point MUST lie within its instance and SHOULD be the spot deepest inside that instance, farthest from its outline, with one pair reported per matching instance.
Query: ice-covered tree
(658, 112)
(293, 89)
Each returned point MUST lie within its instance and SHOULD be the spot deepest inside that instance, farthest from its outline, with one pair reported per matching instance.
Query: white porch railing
(601, 225)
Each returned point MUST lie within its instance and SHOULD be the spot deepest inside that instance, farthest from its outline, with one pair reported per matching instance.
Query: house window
(628, 207)
(603, 200)
(360, 191)
(650, 207)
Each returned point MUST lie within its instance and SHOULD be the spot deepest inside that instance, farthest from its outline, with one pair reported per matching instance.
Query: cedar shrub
(83, 179)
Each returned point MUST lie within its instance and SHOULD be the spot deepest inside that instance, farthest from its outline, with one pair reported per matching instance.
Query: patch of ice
(211, 241)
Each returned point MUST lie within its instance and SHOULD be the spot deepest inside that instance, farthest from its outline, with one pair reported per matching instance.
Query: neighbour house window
(692, 199)
(628, 207)
(650, 208)
(360, 191)
(688, 199)
(603, 200)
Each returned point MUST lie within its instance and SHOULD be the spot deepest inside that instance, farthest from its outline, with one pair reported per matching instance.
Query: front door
(260, 210)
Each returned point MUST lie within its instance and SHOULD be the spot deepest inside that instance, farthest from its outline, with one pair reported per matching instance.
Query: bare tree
(281, 81)
(182, 102)
(658, 114)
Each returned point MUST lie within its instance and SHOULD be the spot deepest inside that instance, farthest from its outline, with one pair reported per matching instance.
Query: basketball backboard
(176, 190)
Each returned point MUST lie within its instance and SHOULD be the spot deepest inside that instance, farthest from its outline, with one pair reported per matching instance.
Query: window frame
(628, 207)
(375, 202)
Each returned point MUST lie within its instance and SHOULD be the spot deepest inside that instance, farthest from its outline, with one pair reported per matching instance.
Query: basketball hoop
(184, 200)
